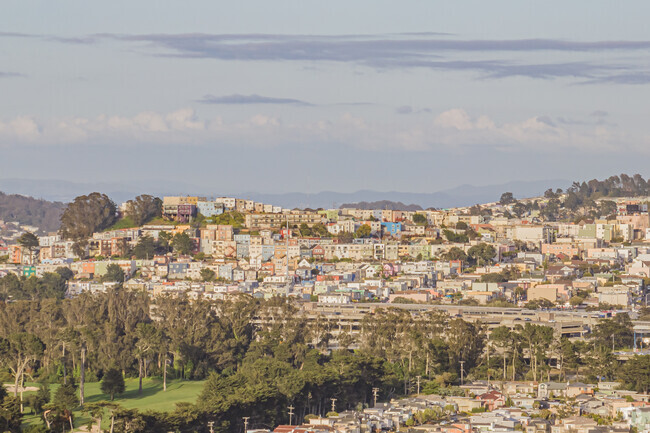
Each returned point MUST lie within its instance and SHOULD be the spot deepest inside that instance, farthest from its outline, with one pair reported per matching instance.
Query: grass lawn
(124, 223)
(152, 398)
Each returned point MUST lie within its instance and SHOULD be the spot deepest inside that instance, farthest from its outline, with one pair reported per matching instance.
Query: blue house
(178, 268)
(209, 208)
(393, 229)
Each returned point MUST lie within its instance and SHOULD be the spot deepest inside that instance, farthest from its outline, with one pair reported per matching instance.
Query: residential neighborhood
(503, 266)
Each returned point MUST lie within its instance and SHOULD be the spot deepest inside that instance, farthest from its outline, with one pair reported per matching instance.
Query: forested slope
(30, 211)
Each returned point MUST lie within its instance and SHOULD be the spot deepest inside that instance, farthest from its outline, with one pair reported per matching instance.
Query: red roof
(492, 395)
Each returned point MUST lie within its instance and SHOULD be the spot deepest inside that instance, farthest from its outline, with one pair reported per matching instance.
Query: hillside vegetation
(30, 211)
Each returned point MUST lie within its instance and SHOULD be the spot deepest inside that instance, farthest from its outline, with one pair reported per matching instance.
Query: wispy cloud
(638, 77)
(491, 59)
(249, 99)
(18, 35)
(429, 51)
(11, 75)
(404, 109)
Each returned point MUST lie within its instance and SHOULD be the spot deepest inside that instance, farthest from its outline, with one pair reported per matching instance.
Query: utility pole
(418, 382)
(333, 404)
(375, 392)
(246, 418)
(291, 408)
(487, 346)
(462, 371)
(211, 426)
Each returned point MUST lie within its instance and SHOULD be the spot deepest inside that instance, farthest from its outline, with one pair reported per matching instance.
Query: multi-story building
(257, 221)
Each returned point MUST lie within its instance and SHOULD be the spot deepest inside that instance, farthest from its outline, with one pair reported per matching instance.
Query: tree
(636, 373)
(114, 273)
(148, 338)
(482, 253)
(455, 237)
(143, 208)
(363, 231)
(28, 241)
(53, 286)
(40, 398)
(345, 237)
(10, 414)
(182, 243)
(420, 219)
(503, 337)
(96, 412)
(86, 215)
(576, 300)
(66, 396)
(538, 338)
(145, 248)
(112, 383)
(18, 352)
(305, 230)
(319, 229)
(506, 198)
(466, 341)
(455, 253)
(519, 209)
(549, 193)
(165, 240)
(207, 274)
(65, 273)
(615, 332)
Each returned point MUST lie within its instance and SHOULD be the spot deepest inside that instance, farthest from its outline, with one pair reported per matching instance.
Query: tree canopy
(87, 214)
(143, 208)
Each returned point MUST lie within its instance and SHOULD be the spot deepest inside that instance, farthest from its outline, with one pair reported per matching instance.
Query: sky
(282, 96)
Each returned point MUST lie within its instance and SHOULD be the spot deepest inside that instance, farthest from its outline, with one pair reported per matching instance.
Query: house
(334, 299)
(551, 389)
(538, 426)
(551, 292)
(392, 228)
(492, 400)
(411, 295)
(616, 295)
(575, 424)
(640, 418)
(466, 404)
(577, 388)
(481, 297)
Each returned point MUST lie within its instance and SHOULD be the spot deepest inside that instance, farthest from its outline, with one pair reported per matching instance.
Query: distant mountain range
(384, 204)
(464, 195)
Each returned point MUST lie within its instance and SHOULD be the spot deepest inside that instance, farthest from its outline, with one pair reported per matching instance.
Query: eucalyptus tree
(18, 352)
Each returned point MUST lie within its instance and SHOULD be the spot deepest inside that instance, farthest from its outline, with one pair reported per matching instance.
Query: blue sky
(308, 96)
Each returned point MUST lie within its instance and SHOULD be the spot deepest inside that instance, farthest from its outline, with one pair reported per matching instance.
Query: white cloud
(21, 128)
(455, 118)
(452, 129)
(185, 118)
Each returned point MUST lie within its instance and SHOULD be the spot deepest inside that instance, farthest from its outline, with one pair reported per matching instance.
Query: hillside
(30, 211)
(382, 204)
